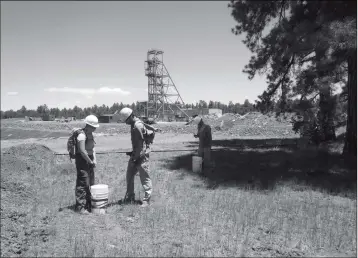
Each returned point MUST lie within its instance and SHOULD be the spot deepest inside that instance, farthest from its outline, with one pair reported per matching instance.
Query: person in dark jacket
(85, 164)
(205, 142)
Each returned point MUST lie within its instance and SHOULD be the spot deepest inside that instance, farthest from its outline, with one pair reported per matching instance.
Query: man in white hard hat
(205, 141)
(85, 163)
(139, 158)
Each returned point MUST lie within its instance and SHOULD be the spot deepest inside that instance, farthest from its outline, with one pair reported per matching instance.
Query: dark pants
(85, 178)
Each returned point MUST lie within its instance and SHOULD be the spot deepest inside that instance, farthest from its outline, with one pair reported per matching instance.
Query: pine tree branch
(272, 91)
(303, 61)
(314, 97)
(282, 8)
(307, 60)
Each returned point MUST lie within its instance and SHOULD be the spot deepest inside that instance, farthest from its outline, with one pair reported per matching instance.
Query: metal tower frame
(163, 96)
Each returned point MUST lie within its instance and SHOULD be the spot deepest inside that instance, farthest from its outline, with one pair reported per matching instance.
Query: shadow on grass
(260, 165)
(70, 207)
(110, 204)
(290, 143)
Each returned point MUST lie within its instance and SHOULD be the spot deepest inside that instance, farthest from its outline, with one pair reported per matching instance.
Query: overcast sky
(64, 53)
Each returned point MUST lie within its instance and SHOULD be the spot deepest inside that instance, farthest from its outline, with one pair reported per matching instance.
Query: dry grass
(254, 204)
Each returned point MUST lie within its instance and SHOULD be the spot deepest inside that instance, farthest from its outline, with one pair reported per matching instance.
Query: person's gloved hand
(92, 165)
(129, 153)
(196, 136)
(136, 161)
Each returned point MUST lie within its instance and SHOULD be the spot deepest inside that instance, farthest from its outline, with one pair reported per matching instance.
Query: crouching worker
(85, 164)
(139, 157)
(205, 139)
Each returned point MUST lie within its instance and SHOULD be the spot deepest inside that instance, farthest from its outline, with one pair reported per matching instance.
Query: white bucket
(197, 164)
(99, 199)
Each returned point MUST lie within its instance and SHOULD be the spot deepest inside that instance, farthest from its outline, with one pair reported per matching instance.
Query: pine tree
(309, 37)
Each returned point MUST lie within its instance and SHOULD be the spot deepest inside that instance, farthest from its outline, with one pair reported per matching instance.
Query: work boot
(88, 207)
(84, 212)
(129, 200)
(145, 203)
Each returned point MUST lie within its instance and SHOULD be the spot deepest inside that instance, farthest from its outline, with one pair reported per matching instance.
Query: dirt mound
(251, 124)
(20, 179)
(31, 150)
(251, 119)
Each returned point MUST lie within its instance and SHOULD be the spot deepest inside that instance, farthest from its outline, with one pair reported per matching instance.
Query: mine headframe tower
(164, 99)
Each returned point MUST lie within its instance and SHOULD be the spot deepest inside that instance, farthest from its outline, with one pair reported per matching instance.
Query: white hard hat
(197, 120)
(125, 113)
(92, 121)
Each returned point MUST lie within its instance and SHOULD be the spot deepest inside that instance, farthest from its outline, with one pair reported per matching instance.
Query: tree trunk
(326, 110)
(326, 116)
(350, 144)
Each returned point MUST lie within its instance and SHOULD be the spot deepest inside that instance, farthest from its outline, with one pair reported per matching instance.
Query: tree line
(80, 113)
(339, 104)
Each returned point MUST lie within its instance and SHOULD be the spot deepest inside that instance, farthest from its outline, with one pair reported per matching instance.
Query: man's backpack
(149, 133)
(72, 142)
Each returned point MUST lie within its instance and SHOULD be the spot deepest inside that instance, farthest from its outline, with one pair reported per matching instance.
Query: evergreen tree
(309, 36)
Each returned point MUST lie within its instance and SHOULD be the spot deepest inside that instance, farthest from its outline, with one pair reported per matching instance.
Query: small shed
(106, 118)
(109, 118)
(216, 111)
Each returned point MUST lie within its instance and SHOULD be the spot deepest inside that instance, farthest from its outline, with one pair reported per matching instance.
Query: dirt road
(122, 142)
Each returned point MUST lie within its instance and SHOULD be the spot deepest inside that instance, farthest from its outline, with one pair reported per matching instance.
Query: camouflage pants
(143, 168)
(85, 179)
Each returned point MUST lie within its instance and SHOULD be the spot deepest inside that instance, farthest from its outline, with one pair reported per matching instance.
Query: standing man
(139, 157)
(205, 139)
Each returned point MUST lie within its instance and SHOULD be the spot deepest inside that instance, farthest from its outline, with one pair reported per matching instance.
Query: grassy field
(265, 197)
(258, 201)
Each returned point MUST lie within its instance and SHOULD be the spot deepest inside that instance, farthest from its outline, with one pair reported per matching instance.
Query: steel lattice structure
(164, 100)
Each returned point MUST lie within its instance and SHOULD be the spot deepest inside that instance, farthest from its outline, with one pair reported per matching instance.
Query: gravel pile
(251, 124)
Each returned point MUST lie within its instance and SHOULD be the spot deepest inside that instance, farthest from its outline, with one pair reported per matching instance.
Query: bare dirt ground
(249, 125)
(114, 136)
(266, 198)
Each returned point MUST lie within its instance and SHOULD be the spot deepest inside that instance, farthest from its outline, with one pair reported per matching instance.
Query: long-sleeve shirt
(205, 137)
(137, 137)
